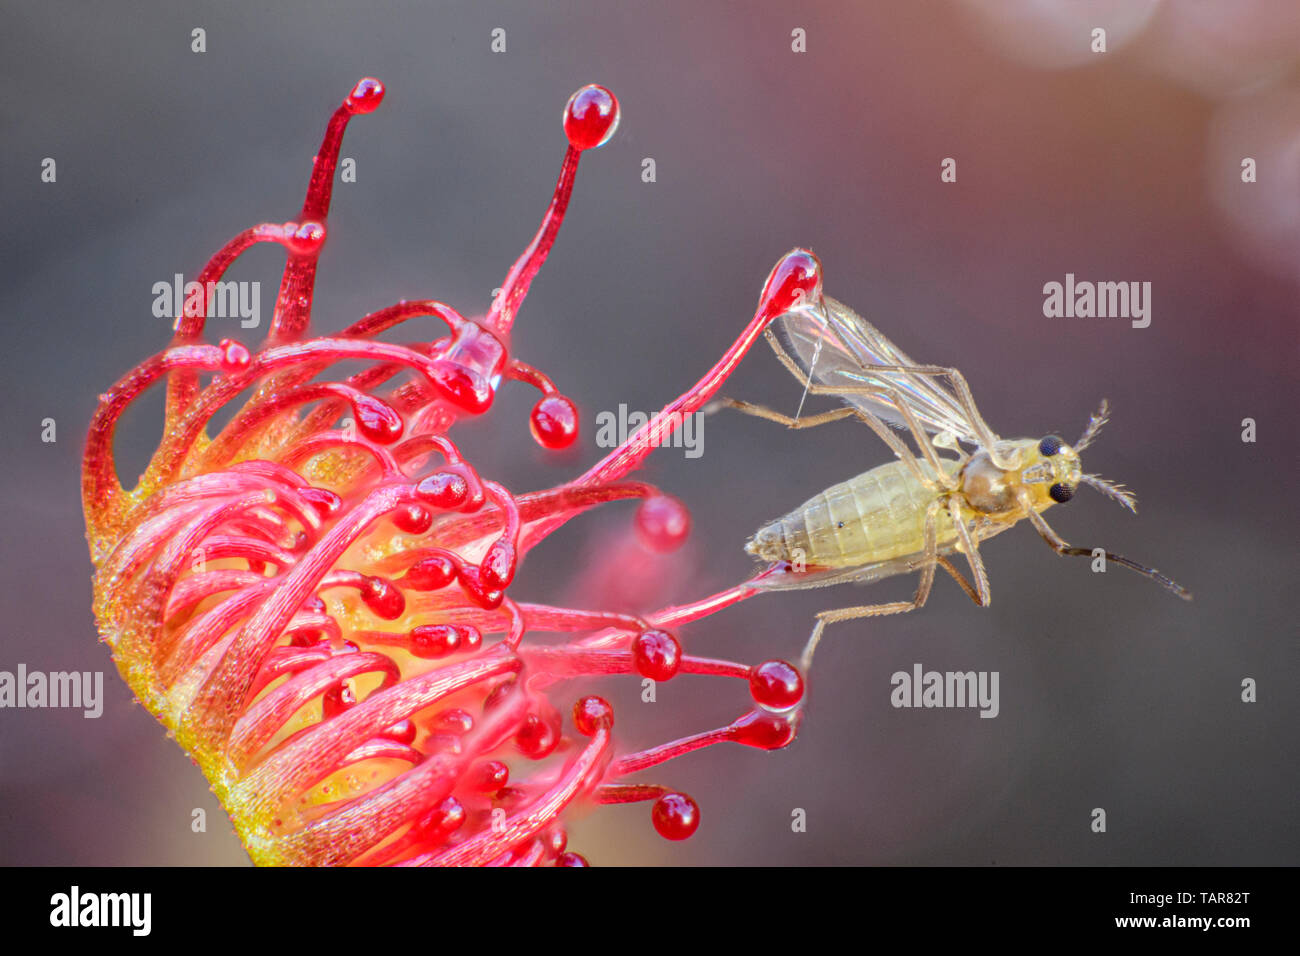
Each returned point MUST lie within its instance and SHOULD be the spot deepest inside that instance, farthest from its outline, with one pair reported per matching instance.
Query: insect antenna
(1115, 492)
(1095, 424)
(1167, 583)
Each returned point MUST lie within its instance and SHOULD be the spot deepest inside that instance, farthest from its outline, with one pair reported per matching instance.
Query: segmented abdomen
(876, 516)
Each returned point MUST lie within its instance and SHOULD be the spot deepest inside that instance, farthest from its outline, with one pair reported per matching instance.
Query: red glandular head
(316, 598)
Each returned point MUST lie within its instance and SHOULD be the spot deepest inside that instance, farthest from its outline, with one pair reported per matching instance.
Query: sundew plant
(314, 599)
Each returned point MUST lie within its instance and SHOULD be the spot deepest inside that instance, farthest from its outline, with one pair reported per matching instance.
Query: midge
(910, 514)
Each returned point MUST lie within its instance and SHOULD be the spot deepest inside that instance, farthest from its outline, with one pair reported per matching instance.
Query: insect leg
(1060, 546)
(771, 415)
(959, 578)
(930, 558)
(970, 547)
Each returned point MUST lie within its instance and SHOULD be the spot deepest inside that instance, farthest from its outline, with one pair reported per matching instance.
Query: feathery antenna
(1115, 492)
(1095, 424)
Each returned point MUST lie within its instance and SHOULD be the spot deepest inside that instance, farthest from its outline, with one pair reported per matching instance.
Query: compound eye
(1049, 446)
(1060, 493)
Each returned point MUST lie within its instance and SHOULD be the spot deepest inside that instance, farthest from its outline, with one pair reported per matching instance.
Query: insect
(911, 514)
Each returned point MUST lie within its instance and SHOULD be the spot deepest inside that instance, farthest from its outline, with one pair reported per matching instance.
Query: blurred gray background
(1121, 166)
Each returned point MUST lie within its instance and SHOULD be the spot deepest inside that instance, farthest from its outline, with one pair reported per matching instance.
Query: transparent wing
(839, 348)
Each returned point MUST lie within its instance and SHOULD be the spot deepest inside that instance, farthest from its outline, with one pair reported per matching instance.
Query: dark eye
(1060, 493)
(1049, 446)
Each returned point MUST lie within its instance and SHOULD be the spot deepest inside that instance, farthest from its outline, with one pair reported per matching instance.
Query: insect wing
(839, 349)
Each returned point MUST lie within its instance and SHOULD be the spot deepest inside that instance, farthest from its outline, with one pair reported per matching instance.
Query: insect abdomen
(876, 516)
